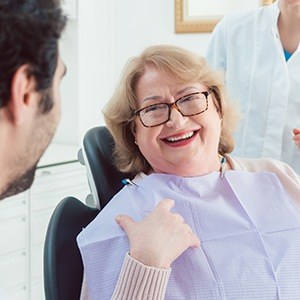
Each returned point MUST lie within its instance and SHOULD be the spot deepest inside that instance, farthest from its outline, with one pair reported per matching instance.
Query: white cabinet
(14, 254)
(23, 223)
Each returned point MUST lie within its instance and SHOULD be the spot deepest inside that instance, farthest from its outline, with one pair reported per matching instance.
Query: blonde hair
(184, 66)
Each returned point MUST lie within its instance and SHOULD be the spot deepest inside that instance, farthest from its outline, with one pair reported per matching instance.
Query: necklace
(222, 168)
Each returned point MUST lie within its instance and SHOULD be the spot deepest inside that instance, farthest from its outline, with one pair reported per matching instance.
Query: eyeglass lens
(189, 105)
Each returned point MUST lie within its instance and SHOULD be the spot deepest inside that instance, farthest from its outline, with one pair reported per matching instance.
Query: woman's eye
(152, 108)
(189, 98)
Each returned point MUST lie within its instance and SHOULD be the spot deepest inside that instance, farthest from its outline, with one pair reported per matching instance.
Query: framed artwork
(203, 15)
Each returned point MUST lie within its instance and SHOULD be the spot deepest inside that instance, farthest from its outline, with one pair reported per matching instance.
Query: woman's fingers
(125, 222)
(159, 238)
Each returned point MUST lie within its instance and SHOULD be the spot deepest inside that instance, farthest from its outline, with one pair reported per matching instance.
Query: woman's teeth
(179, 138)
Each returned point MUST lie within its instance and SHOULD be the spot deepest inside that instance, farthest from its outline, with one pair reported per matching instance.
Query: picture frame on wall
(202, 15)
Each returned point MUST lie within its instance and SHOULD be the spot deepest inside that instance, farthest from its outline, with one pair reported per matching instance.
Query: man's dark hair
(29, 34)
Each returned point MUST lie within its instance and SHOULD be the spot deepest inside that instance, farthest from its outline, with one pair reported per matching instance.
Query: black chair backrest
(63, 269)
(98, 146)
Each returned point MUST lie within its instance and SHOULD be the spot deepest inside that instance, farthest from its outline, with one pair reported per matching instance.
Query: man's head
(30, 73)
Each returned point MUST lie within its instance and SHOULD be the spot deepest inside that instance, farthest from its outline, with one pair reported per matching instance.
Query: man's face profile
(35, 143)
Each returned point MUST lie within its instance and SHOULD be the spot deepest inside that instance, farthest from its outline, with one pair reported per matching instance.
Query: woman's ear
(218, 109)
(22, 93)
(220, 114)
(133, 128)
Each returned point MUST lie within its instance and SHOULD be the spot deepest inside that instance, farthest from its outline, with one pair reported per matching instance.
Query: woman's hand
(159, 238)
(296, 137)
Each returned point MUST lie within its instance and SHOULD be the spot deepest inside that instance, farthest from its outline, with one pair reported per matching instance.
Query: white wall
(68, 128)
(143, 23)
(97, 44)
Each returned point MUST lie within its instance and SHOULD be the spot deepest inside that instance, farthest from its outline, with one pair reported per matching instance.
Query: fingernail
(118, 219)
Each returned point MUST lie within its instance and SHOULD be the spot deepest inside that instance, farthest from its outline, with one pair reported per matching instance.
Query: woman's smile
(181, 139)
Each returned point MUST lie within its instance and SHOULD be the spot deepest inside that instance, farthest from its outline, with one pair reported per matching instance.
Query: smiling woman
(203, 15)
(172, 123)
(161, 78)
(172, 148)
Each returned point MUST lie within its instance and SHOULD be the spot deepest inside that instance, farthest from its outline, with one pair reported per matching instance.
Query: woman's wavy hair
(29, 34)
(184, 66)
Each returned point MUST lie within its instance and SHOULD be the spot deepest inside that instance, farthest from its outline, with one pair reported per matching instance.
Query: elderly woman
(172, 124)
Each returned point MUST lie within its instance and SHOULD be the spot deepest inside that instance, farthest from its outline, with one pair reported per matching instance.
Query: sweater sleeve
(137, 281)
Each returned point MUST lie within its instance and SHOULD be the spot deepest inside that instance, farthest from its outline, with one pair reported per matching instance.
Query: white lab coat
(247, 47)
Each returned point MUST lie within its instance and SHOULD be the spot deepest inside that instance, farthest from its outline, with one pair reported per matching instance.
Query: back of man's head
(29, 34)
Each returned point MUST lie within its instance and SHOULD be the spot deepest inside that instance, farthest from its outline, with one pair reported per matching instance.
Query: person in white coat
(260, 54)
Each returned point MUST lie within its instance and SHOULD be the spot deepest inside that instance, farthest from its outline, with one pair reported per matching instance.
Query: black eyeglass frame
(174, 104)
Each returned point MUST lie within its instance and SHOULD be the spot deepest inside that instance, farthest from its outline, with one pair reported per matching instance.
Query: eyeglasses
(159, 113)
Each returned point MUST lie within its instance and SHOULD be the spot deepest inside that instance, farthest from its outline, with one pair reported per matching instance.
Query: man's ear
(22, 94)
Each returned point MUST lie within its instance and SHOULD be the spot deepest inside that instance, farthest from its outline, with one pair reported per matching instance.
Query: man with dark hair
(30, 73)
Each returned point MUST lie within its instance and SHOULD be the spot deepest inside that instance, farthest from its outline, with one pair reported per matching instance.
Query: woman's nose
(176, 120)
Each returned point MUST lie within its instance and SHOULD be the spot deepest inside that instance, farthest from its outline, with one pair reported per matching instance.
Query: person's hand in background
(296, 137)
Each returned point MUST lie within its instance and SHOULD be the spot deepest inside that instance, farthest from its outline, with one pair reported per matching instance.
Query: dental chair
(97, 155)
(63, 268)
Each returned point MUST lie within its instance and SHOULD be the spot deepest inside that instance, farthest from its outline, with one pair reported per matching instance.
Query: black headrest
(98, 146)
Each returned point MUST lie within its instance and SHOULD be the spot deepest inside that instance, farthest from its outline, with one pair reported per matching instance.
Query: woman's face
(186, 146)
